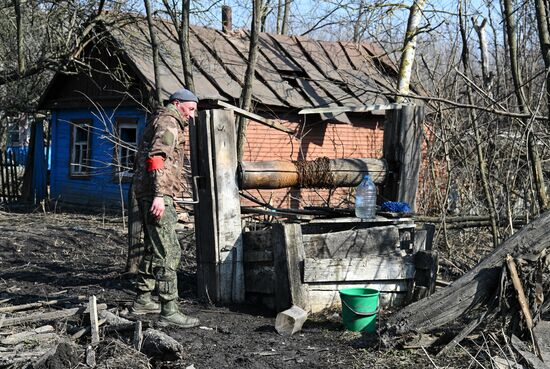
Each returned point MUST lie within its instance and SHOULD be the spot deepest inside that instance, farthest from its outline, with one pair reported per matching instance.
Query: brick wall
(361, 139)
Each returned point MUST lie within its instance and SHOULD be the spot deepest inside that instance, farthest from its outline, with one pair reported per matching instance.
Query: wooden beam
(94, 326)
(403, 153)
(350, 109)
(255, 117)
(220, 274)
(369, 268)
(288, 254)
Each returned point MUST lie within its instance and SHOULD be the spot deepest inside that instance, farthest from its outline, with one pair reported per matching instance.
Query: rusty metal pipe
(275, 174)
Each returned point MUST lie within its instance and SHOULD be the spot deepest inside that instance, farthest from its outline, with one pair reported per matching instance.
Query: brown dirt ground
(47, 255)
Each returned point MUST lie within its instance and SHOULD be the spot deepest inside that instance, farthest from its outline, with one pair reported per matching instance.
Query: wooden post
(288, 259)
(402, 151)
(220, 273)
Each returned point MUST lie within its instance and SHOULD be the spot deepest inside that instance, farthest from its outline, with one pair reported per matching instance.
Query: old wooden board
(294, 51)
(356, 243)
(374, 267)
(212, 69)
(257, 240)
(206, 231)
(258, 256)
(318, 226)
(403, 153)
(260, 279)
(288, 255)
(235, 65)
(228, 215)
(268, 73)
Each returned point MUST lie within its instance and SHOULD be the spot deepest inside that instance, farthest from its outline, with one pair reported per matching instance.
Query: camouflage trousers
(162, 251)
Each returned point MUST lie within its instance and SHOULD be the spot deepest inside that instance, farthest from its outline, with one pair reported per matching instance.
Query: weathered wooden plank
(318, 226)
(358, 269)
(400, 285)
(258, 118)
(228, 215)
(94, 327)
(260, 279)
(257, 240)
(206, 231)
(258, 256)
(412, 118)
(288, 254)
(403, 153)
(357, 243)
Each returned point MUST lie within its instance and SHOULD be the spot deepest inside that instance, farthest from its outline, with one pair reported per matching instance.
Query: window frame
(85, 162)
(124, 122)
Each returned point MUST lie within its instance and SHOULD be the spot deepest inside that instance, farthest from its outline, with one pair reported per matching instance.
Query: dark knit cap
(183, 94)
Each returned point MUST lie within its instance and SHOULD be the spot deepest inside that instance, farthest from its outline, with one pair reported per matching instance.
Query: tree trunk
(409, 49)
(534, 157)
(246, 94)
(480, 30)
(184, 45)
(474, 121)
(474, 288)
(20, 38)
(286, 15)
(154, 46)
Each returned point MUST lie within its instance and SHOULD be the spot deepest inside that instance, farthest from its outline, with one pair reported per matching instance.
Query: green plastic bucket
(359, 309)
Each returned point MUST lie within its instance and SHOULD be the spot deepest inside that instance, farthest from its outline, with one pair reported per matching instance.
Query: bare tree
(155, 48)
(181, 24)
(246, 94)
(534, 156)
(409, 48)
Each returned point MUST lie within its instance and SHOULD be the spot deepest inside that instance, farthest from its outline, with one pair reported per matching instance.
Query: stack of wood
(512, 283)
(36, 334)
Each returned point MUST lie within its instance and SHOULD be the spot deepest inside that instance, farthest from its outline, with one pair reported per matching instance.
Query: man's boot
(144, 304)
(171, 315)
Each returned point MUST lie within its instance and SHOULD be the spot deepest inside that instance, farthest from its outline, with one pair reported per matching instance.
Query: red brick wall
(361, 139)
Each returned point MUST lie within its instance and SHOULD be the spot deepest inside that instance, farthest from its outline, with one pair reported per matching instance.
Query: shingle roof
(292, 72)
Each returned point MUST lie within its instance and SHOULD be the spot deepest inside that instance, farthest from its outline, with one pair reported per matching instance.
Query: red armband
(154, 163)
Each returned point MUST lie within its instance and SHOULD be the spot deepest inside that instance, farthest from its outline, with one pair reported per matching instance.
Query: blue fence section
(20, 153)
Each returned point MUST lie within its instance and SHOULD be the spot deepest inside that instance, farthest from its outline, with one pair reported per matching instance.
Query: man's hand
(157, 207)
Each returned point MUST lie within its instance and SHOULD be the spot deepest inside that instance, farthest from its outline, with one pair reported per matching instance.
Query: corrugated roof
(292, 72)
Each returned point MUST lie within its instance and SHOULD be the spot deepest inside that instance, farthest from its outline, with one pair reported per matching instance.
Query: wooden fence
(9, 184)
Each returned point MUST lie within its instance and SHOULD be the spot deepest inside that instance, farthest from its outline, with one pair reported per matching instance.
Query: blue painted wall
(101, 188)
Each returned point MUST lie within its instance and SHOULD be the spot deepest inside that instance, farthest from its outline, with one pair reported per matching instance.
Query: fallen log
(474, 288)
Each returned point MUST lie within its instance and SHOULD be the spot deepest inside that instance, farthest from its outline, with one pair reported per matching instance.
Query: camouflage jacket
(162, 136)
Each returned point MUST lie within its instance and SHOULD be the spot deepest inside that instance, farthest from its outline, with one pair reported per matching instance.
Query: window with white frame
(127, 144)
(80, 148)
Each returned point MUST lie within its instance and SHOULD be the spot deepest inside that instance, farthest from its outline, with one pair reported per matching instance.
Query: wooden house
(330, 94)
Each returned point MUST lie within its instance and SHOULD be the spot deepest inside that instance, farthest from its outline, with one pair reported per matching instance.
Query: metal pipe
(280, 174)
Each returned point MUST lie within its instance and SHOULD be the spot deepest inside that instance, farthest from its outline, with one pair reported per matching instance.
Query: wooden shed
(98, 114)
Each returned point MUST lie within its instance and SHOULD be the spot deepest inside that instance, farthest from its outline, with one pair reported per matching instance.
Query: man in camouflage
(158, 180)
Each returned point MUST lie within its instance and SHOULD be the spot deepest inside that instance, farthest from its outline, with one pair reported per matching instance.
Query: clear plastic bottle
(365, 199)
